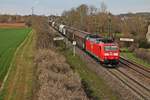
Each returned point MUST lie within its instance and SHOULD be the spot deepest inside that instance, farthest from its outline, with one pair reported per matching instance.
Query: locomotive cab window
(87, 38)
(110, 48)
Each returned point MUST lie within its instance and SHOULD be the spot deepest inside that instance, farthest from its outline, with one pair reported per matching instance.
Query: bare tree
(103, 7)
(92, 10)
(44, 36)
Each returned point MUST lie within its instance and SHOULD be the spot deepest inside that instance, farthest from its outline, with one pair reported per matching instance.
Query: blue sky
(47, 7)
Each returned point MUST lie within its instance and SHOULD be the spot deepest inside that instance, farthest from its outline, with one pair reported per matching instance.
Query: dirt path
(20, 80)
(12, 25)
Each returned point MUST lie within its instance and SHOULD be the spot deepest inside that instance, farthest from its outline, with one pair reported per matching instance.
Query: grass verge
(94, 86)
(131, 56)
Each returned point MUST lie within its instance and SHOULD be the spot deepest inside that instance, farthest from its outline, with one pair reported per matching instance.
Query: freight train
(105, 50)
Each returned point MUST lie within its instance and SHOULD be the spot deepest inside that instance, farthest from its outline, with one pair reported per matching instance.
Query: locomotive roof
(98, 38)
(106, 40)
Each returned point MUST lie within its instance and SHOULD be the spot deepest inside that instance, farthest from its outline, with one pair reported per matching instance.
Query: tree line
(12, 18)
(101, 21)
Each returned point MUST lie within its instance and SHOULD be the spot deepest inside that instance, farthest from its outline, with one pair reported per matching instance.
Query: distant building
(148, 34)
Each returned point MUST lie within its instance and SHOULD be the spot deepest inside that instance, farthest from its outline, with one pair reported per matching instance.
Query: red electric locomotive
(105, 50)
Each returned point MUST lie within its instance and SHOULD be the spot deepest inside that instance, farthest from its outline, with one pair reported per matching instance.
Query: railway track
(136, 86)
(136, 67)
(131, 83)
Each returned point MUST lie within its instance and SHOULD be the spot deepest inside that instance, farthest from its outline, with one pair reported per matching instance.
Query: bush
(143, 54)
(28, 22)
(133, 47)
(56, 79)
(144, 44)
(88, 90)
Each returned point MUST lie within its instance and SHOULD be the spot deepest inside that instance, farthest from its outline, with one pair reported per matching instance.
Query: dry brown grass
(12, 25)
(56, 79)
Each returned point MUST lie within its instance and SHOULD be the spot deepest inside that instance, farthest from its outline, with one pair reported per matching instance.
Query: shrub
(144, 44)
(56, 79)
(143, 54)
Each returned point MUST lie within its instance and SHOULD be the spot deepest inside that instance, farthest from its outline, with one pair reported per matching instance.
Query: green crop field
(9, 41)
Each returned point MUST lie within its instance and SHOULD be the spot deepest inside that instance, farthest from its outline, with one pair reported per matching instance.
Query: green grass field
(9, 41)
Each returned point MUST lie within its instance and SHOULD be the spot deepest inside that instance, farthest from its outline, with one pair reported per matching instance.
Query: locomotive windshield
(110, 48)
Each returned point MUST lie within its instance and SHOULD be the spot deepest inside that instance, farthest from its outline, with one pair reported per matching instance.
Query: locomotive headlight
(116, 54)
(106, 54)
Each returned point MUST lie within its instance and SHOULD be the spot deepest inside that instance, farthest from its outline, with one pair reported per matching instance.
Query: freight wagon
(104, 49)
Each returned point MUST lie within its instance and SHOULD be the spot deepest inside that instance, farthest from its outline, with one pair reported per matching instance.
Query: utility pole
(109, 26)
(81, 20)
(32, 15)
(32, 10)
(74, 48)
